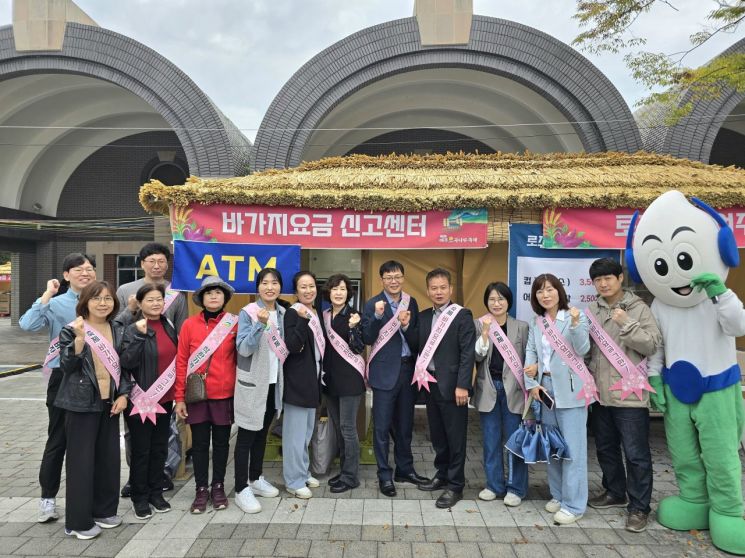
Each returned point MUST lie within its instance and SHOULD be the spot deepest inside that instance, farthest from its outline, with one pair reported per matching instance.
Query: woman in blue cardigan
(546, 370)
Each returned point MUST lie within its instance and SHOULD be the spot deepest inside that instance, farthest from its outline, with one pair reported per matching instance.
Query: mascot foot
(727, 533)
(680, 515)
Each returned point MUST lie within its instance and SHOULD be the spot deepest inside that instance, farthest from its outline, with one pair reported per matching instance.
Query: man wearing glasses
(389, 325)
(54, 310)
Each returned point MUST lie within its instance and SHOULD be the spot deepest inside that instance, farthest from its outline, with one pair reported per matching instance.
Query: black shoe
(448, 499)
(142, 510)
(413, 478)
(607, 500)
(126, 490)
(159, 503)
(167, 484)
(336, 479)
(435, 484)
(387, 488)
(341, 486)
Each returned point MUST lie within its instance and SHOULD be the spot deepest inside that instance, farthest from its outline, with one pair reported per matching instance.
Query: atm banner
(331, 228)
(237, 264)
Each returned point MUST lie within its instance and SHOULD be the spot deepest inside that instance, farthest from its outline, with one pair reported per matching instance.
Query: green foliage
(4, 257)
(608, 29)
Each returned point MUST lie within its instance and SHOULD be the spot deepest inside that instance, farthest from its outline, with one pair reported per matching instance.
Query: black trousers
(200, 452)
(393, 413)
(448, 425)
(149, 444)
(628, 428)
(92, 467)
(250, 446)
(50, 470)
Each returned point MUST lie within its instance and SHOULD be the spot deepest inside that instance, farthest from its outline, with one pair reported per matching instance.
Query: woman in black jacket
(302, 385)
(344, 375)
(93, 392)
(148, 352)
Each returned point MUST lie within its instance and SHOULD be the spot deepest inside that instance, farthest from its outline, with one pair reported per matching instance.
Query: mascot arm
(731, 314)
(643, 335)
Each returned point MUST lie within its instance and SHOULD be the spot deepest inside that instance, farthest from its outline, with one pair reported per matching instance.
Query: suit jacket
(386, 366)
(484, 393)
(565, 391)
(302, 382)
(455, 355)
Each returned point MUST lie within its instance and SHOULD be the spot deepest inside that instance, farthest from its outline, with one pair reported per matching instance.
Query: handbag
(323, 446)
(196, 386)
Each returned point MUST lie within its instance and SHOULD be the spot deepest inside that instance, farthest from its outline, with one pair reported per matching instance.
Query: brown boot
(636, 522)
(607, 500)
(199, 505)
(219, 498)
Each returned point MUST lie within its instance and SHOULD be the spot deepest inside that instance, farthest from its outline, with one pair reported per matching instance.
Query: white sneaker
(303, 492)
(512, 500)
(88, 534)
(108, 522)
(246, 500)
(487, 495)
(312, 482)
(552, 506)
(263, 488)
(47, 510)
(563, 517)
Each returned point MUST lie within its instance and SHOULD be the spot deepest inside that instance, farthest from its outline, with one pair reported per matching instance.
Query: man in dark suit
(389, 325)
(451, 365)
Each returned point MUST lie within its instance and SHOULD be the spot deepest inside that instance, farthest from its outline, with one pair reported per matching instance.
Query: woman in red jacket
(206, 346)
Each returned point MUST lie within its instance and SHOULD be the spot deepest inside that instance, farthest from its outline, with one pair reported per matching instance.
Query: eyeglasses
(106, 299)
(83, 270)
(154, 262)
(392, 278)
(153, 300)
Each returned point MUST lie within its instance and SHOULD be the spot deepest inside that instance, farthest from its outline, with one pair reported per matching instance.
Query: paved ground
(358, 524)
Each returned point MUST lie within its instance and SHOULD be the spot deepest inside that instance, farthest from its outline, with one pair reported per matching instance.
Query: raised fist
(303, 312)
(263, 315)
(485, 325)
(404, 317)
(354, 320)
(574, 313)
(619, 316)
(52, 286)
(141, 326)
(78, 326)
(379, 307)
(132, 304)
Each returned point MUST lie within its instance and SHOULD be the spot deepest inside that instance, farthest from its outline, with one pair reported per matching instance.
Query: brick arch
(551, 68)
(212, 144)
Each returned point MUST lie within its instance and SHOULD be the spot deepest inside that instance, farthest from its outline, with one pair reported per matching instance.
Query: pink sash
(105, 352)
(52, 352)
(633, 377)
(508, 352)
(390, 328)
(589, 391)
(147, 403)
(211, 343)
(421, 375)
(315, 327)
(342, 347)
(170, 298)
(272, 336)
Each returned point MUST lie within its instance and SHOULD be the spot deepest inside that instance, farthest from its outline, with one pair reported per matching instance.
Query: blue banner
(528, 259)
(236, 264)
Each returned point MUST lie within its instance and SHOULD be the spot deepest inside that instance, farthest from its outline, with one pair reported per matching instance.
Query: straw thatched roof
(497, 182)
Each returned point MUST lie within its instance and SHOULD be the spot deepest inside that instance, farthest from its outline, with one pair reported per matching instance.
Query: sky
(241, 52)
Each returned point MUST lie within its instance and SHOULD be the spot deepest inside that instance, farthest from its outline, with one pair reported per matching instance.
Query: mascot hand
(710, 282)
(657, 399)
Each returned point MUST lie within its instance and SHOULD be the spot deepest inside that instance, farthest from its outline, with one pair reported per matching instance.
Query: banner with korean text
(236, 264)
(527, 259)
(331, 228)
(607, 228)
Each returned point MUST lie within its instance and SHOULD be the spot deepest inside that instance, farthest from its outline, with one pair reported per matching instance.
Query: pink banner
(607, 228)
(330, 228)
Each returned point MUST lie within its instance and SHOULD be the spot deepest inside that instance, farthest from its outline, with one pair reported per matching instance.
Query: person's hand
(619, 316)
(354, 320)
(78, 326)
(485, 326)
(535, 393)
(141, 326)
(303, 312)
(574, 313)
(119, 405)
(710, 282)
(263, 315)
(461, 396)
(52, 287)
(531, 371)
(379, 308)
(132, 304)
(180, 410)
(657, 400)
(404, 318)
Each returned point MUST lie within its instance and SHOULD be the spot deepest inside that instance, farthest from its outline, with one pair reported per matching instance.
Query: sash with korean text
(211, 343)
(342, 347)
(422, 377)
(273, 338)
(147, 403)
(507, 350)
(390, 328)
(315, 327)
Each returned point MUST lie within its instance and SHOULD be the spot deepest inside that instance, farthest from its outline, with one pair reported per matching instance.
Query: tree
(608, 27)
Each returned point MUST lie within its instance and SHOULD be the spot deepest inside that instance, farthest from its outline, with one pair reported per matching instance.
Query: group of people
(135, 352)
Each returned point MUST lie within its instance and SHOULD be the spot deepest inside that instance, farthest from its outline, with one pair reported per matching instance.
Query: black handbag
(196, 386)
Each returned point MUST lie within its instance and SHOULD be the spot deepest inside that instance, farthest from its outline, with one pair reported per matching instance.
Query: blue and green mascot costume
(682, 252)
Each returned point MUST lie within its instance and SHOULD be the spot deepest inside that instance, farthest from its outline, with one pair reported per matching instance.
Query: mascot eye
(685, 261)
(660, 266)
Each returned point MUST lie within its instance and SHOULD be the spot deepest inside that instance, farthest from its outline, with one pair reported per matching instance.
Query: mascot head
(674, 242)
